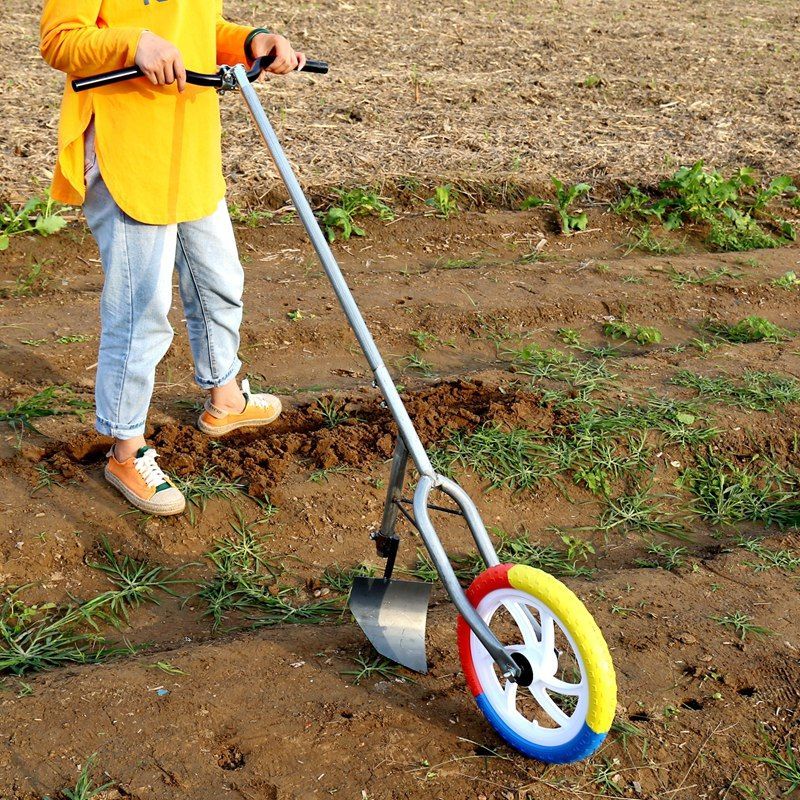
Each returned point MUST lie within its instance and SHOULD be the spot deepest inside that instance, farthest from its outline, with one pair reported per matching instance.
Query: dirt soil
(273, 712)
(485, 94)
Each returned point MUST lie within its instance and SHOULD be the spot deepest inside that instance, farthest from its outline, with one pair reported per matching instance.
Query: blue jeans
(135, 334)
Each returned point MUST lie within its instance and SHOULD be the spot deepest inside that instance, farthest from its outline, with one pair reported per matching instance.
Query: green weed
(570, 220)
(734, 210)
(664, 557)
(206, 485)
(788, 280)
(644, 239)
(333, 413)
(643, 334)
(444, 200)
(418, 363)
(759, 391)
(748, 330)
(726, 492)
(785, 559)
(135, 582)
(340, 579)
(52, 401)
(785, 765)
(353, 203)
(701, 278)
(32, 282)
(374, 667)
(41, 215)
(245, 582)
(742, 624)
(252, 218)
(85, 789)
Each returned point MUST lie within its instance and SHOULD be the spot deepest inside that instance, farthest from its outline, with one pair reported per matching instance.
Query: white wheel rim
(540, 652)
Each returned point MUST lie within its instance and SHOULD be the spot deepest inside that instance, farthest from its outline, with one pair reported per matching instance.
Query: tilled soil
(487, 95)
(274, 712)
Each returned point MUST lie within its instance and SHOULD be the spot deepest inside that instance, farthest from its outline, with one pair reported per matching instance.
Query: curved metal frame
(410, 443)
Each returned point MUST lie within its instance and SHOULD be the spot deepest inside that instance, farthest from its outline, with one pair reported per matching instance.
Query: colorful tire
(551, 607)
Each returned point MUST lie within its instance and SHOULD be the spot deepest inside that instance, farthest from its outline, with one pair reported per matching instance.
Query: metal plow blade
(393, 615)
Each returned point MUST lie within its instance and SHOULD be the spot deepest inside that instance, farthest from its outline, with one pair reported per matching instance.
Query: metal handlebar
(214, 80)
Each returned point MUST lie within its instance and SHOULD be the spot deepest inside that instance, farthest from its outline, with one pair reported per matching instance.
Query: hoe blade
(393, 615)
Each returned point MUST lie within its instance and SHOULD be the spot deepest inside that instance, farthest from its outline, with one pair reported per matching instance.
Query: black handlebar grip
(195, 78)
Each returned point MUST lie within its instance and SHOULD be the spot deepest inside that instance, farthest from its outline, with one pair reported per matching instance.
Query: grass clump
(85, 789)
(734, 210)
(50, 402)
(40, 215)
(245, 582)
(338, 220)
(375, 667)
(742, 623)
(747, 331)
(726, 492)
(785, 765)
(784, 559)
(206, 485)
(340, 579)
(759, 391)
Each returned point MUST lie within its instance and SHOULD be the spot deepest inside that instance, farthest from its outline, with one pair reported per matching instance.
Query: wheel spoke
(510, 695)
(524, 622)
(562, 687)
(548, 638)
(547, 703)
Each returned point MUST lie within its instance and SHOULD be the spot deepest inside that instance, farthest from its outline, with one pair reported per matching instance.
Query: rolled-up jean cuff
(228, 376)
(118, 431)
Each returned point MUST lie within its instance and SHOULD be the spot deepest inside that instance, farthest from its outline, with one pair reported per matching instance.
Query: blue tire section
(582, 745)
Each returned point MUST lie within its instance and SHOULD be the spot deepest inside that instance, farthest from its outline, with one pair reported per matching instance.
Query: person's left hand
(286, 58)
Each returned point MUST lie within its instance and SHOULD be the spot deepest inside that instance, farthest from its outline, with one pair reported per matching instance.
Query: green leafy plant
(621, 329)
(29, 283)
(788, 280)
(40, 215)
(570, 220)
(444, 200)
(353, 203)
(733, 209)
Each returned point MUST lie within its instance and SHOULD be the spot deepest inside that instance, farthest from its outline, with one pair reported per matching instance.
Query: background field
(658, 477)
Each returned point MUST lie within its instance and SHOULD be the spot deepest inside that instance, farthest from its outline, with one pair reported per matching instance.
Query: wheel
(562, 706)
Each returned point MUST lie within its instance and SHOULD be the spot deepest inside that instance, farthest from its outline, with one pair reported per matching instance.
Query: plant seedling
(359, 202)
(444, 200)
(742, 624)
(85, 789)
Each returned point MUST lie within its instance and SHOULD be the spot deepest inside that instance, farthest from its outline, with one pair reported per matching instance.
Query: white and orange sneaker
(259, 409)
(144, 484)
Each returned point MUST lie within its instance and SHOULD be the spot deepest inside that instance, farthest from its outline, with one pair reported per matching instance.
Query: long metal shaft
(382, 377)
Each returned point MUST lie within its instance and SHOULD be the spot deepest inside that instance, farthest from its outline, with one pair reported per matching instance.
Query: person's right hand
(160, 61)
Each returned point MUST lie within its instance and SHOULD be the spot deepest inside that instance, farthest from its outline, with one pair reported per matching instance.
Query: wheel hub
(525, 677)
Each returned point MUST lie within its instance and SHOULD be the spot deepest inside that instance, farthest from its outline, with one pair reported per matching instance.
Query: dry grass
(482, 91)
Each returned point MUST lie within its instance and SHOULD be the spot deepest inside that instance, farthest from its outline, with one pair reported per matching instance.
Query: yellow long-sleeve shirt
(158, 150)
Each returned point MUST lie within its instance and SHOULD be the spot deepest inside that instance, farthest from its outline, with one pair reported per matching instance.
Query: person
(143, 157)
